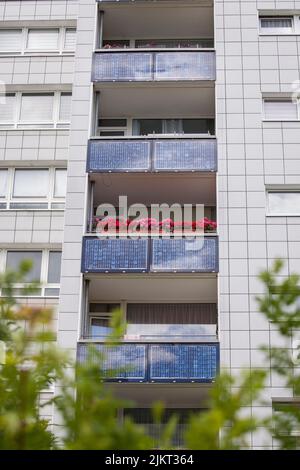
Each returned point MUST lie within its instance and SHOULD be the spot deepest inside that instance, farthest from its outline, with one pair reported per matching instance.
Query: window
(70, 39)
(10, 40)
(276, 24)
(32, 188)
(60, 183)
(14, 258)
(173, 126)
(54, 266)
(35, 110)
(100, 315)
(283, 202)
(31, 183)
(45, 270)
(112, 127)
(286, 422)
(3, 183)
(169, 321)
(31, 41)
(174, 43)
(7, 108)
(42, 39)
(116, 44)
(280, 110)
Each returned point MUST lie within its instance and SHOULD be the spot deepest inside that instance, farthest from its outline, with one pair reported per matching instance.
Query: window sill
(37, 128)
(279, 34)
(37, 54)
(280, 120)
(283, 215)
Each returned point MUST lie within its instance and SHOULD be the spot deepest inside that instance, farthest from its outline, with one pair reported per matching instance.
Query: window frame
(279, 119)
(279, 214)
(52, 202)
(43, 276)
(55, 123)
(125, 129)
(277, 31)
(25, 51)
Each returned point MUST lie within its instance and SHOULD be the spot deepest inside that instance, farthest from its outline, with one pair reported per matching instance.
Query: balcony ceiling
(156, 101)
(153, 288)
(155, 189)
(158, 21)
(173, 395)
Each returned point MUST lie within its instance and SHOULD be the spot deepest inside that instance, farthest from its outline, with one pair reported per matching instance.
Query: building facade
(189, 103)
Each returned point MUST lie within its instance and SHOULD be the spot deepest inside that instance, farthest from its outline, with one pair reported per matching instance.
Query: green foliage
(88, 407)
(281, 306)
(31, 363)
(223, 427)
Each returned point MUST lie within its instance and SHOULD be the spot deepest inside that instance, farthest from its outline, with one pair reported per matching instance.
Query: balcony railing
(176, 254)
(151, 155)
(159, 362)
(153, 66)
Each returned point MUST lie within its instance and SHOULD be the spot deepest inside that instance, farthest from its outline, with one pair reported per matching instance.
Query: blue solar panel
(183, 362)
(197, 155)
(147, 66)
(126, 361)
(184, 66)
(122, 66)
(154, 362)
(122, 155)
(100, 255)
(184, 254)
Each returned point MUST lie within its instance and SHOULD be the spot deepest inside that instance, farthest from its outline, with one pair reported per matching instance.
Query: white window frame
(50, 199)
(266, 119)
(24, 51)
(95, 315)
(44, 272)
(125, 129)
(295, 29)
(280, 214)
(55, 123)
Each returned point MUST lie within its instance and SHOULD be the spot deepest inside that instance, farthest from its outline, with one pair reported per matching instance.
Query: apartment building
(192, 103)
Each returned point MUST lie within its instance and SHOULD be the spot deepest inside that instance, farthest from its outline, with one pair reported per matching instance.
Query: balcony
(154, 362)
(144, 255)
(124, 66)
(152, 155)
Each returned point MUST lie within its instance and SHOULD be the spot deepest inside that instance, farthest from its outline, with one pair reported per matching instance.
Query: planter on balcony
(154, 362)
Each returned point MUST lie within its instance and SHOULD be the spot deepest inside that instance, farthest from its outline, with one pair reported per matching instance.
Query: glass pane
(280, 110)
(195, 126)
(54, 267)
(65, 107)
(116, 44)
(112, 122)
(7, 108)
(112, 133)
(43, 39)
(100, 327)
(281, 23)
(14, 258)
(3, 183)
(31, 183)
(37, 107)
(173, 43)
(10, 40)
(60, 183)
(147, 126)
(70, 39)
(284, 203)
